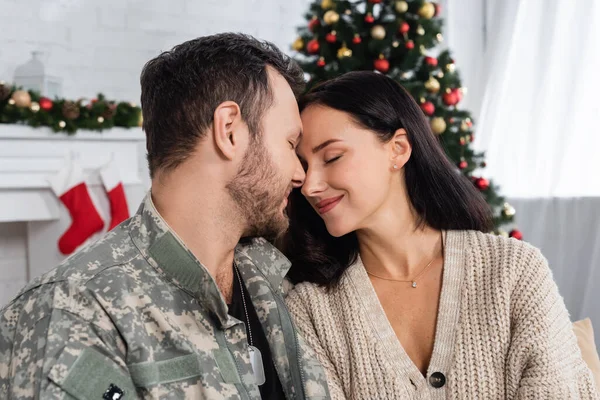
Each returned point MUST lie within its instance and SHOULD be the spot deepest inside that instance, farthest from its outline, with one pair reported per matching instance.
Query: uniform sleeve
(544, 360)
(57, 342)
(313, 344)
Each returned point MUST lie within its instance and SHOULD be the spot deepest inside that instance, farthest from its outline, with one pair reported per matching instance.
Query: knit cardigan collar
(447, 319)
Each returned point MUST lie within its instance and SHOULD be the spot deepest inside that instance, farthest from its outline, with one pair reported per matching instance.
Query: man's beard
(258, 192)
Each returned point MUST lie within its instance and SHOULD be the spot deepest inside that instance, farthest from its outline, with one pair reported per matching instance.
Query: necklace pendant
(414, 284)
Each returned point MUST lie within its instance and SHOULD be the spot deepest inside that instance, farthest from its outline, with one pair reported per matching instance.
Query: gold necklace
(414, 280)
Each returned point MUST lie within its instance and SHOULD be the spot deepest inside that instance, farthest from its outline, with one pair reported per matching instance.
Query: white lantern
(32, 76)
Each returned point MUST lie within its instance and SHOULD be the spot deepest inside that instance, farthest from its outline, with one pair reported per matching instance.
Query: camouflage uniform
(137, 316)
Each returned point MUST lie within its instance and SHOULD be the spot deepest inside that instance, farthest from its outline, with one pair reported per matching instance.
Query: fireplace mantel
(29, 155)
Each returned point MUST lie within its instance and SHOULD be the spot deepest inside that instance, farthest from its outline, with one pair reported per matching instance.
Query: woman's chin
(337, 230)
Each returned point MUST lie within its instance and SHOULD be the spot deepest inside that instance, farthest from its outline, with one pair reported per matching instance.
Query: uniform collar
(166, 252)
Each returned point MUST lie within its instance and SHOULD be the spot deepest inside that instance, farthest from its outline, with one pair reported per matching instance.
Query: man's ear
(400, 149)
(227, 121)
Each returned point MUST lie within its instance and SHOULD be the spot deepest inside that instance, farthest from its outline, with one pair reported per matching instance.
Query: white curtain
(537, 95)
(539, 121)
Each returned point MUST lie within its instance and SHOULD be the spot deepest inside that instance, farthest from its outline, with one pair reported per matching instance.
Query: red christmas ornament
(458, 93)
(428, 108)
(410, 45)
(482, 183)
(463, 164)
(321, 62)
(313, 46)
(331, 37)
(438, 9)
(431, 61)
(356, 39)
(404, 28)
(46, 104)
(382, 65)
(313, 24)
(369, 18)
(374, 1)
(462, 141)
(450, 99)
(517, 234)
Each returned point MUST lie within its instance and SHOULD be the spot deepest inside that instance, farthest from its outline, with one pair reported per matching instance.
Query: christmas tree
(399, 38)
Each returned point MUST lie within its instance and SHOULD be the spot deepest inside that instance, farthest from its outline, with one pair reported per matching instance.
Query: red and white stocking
(70, 187)
(113, 185)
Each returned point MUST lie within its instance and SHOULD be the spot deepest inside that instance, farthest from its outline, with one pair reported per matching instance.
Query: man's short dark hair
(181, 89)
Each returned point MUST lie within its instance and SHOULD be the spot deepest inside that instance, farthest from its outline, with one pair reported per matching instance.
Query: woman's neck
(394, 245)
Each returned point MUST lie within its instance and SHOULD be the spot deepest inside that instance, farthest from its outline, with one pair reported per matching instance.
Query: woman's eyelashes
(333, 159)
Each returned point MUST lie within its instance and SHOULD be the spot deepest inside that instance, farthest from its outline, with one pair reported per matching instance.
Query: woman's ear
(226, 129)
(400, 149)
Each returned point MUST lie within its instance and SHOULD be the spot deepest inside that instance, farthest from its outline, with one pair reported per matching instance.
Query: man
(172, 303)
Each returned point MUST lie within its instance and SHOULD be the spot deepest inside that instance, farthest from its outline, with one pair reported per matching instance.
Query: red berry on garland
(483, 164)
(428, 108)
(517, 234)
(313, 46)
(321, 62)
(369, 18)
(356, 39)
(463, 164)
(431, 61)
(404, 28)
(410, 45)
(462, 141)
(374, 1)
(313, 24)
(382, 65)
(331, 37)
(438, 9)
(482, 183)
(46, 104)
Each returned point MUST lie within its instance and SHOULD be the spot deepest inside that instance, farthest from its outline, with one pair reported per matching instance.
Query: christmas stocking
(119, 211)
(70, 187)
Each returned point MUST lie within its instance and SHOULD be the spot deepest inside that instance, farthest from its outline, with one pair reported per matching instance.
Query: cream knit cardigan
(503, 331)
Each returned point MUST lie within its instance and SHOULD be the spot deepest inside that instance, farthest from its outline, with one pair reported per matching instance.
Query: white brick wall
(101, 45)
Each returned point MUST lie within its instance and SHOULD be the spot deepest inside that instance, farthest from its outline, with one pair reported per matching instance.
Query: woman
(398, 289)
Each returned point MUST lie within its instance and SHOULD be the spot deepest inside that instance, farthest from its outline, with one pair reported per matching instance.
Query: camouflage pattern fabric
(136, 315)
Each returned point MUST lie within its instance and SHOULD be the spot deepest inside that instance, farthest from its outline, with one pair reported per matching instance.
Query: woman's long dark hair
(441, 196)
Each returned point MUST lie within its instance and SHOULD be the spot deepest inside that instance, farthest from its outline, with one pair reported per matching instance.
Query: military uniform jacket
(136, 315)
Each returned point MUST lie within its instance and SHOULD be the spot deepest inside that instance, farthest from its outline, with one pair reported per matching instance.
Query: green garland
(61, 115)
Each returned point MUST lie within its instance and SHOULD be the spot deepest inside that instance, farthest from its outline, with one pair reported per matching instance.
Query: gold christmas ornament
(396, 43)
(439, 37)
(422, 49)
(440, 75)
(331, 17)
(427, 10)
(464, 126)
(509, 210)
(438, 125)
(141, 120)
(378, 32)
(11, 102)
(432, 85)
(401, 6)
(298, 44)
(327, 4)
(348, 12)
(100, 120)
(21, 98)
(344, 52)
(420, 30)
(35, 107)
(62, 124)
(450, 67)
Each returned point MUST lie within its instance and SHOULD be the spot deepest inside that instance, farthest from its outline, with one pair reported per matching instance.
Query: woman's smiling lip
(326, 205)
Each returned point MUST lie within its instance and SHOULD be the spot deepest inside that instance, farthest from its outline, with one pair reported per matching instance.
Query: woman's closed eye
(333, 159)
